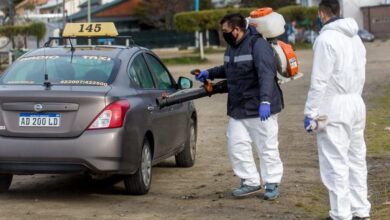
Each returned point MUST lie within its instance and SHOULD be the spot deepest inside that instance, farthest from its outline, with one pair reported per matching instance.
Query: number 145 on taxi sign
(90, 29)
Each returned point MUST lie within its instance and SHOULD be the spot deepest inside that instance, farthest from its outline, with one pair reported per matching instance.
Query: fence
(5, 60)
(162, 39)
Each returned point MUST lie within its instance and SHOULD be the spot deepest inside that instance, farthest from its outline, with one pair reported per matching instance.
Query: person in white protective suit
(335, 108)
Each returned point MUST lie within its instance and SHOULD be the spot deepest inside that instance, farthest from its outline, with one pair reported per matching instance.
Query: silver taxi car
(91, 109)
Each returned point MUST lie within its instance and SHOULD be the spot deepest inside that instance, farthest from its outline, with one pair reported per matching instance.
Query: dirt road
(203, 192)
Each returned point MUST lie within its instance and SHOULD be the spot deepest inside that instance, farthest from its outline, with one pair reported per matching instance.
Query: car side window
(140, 74)
(162, 75)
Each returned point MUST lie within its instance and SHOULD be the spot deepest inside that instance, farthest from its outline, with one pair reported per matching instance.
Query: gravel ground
(203, 191)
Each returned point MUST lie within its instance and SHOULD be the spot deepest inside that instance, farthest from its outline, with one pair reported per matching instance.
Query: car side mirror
(184, 83)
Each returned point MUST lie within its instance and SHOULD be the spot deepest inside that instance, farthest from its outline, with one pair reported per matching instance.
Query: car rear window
(80, 70)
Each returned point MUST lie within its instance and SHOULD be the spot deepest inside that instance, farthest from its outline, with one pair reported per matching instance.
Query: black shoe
(360, 218)
(329, 218)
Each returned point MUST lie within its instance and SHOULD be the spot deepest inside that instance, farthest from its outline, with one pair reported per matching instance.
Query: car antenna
(46, 83)
(72, 49)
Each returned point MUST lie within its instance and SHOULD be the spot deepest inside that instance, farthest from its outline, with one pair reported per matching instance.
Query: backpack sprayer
(271, 25)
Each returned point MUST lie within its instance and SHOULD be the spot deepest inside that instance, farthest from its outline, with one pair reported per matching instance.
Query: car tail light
(112, 116)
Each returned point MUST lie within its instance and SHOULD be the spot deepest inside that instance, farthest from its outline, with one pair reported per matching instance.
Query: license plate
(39, 120)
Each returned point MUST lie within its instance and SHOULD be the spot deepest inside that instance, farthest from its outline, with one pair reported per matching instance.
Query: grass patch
(378, 146)
(379, 188)
(185, 60)
(378, 126)
(302, 46)
(315, 201)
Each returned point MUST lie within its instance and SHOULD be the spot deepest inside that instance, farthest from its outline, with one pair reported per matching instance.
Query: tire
(5, 182)
(186, 158)
(139, 183)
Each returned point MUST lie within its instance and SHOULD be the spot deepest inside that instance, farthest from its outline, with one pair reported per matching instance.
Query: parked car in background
(365, 35)
(309, 36)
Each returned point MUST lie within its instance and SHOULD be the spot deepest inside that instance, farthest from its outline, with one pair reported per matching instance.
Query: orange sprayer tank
(268, 23)
(291, 57)
(271, 25)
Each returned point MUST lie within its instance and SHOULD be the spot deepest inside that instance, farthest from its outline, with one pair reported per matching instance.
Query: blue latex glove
(306, 123)
(203, 75)
(264, 111)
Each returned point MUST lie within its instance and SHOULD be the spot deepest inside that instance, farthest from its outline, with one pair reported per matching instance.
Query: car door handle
(151, 108)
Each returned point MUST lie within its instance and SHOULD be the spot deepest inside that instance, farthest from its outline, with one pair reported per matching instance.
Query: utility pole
(63, 15)
(89, 18)
(11, 11)
(11, 18)
(199, 33)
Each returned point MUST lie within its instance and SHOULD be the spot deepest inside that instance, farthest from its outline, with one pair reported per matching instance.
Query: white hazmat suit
(337, 82)
(264, 134)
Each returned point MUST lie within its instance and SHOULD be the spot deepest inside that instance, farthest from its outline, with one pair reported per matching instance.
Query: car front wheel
(5, 182)
(186, 158)
(139, 183)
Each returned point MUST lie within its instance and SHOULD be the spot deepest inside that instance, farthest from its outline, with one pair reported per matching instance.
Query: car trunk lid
(59, 111)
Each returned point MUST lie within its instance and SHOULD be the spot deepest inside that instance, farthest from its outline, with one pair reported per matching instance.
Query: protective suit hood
(347, 26)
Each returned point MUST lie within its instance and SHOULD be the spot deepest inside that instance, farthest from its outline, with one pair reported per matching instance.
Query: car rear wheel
(186, 158)
(139, 183)
(5, 182)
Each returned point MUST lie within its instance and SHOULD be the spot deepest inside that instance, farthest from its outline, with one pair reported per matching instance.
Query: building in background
(308, 3)
(47, 10)
(373, 15)
(118, 11)
(29, 7)
(376, 19)
(224, 3)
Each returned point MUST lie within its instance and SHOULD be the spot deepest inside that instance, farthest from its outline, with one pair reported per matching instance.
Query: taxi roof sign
(102, 29)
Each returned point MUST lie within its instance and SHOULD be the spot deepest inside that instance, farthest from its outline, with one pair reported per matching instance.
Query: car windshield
(80, 70)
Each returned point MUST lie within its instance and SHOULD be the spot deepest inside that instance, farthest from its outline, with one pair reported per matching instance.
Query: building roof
(83, 13)
(98, 11)
(36, 3)
(93, 2)
(51, 4)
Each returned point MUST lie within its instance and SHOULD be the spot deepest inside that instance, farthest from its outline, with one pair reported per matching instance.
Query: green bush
(304, 16)
(37, 29)
(209, 19)
(205, 19)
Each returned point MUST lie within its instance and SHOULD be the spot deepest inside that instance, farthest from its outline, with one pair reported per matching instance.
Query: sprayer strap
(252, 44)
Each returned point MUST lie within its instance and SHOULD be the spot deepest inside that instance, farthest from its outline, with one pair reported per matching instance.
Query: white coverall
(337, 82)
(241, 133)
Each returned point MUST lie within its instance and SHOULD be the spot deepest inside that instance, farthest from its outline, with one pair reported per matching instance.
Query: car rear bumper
(96, 151)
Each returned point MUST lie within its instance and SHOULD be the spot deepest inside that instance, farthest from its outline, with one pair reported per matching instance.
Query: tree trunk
(13, 42)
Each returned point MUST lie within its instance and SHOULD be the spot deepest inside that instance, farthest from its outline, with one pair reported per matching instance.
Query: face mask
(229, 38)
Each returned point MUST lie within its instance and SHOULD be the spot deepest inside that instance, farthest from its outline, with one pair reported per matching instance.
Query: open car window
(79, 70)
(163, 78)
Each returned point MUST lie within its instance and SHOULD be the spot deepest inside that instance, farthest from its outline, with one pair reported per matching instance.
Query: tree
(37, 29)
(205, 4)
(8, 7)
(159, 13)
(275, 4)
